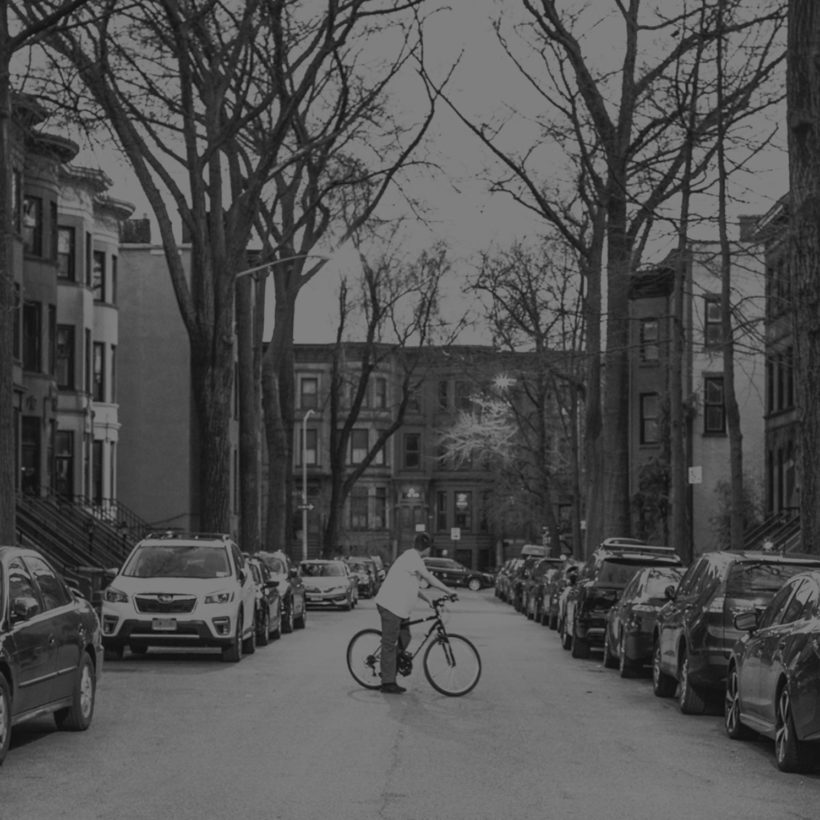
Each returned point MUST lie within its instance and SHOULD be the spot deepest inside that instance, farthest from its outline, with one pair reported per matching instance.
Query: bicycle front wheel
(452, 665)
(364, 658)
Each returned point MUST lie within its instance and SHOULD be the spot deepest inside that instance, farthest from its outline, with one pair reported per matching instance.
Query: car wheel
(626, 668)
(789, 751)
(566, 641)
(263, 633)
(552, 620)
(690, 698)
(663, 685)
(5, 717)
(233, 653)
(287, 617)
(731, 711)
(299, 621)
(113, 653)
(275, 626)
(249, 645)
(347, 605)
(610, 661)
(474, 585)
(77, 717)
(579, 647)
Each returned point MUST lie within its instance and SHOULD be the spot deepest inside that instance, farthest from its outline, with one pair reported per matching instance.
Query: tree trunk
(7, 307)
(615, 455)
(248, 339)
(803, 95)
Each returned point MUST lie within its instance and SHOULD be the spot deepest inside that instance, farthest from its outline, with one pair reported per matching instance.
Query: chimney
(136, 231)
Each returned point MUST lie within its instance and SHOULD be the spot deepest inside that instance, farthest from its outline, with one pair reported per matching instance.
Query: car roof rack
(182, 535)
(616, 545)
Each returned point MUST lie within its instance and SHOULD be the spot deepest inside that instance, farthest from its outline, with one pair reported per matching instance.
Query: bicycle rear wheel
(364, 658)
(452, 665)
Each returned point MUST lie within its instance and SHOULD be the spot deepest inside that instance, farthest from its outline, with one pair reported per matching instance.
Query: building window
(308, 393)
(98, 393)
(380, 393)
(87, 361)
(17, 201)
(52, 231)
(113, 297)
(113, 372)
(443, 395)
(32, 336)
(309, 445)
(381, 457)
(64, 372)
(649, 418)
(88, 243)
(358, 508)
(380, 509)
(33, 225)
(64, 463)
(712, 324)
(462, 397)
(98, 276)
(67, 253)
(412, 451)
(714, 407)
(650, 350)
(441, 511)
(18, 309)
(358, 446)
(51, 348)
(463, 510)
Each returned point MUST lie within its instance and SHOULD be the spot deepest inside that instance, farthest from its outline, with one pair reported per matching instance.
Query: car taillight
(717, 605)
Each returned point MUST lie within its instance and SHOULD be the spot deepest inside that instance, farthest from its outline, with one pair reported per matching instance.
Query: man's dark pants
(395, 637)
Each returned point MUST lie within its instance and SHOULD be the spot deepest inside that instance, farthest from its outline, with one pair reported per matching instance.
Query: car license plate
(164, 624)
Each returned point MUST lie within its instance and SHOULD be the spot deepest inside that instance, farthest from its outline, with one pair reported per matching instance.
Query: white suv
(181, 590)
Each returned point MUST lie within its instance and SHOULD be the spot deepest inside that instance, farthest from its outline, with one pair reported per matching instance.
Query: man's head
(422, 543)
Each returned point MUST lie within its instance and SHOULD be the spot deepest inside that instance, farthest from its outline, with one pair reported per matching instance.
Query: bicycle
(451, 663)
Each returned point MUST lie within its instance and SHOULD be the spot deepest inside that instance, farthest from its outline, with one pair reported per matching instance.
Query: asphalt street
(288, 734)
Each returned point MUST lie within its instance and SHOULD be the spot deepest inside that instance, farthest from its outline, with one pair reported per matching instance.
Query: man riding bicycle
(395, 601)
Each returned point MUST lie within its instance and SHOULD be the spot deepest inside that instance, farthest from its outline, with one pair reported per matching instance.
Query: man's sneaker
(392, 689)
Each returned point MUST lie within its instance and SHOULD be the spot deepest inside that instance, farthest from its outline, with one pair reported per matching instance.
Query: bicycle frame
(437, 626)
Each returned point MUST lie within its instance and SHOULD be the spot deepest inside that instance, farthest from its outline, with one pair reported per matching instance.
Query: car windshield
(177, 561)
(276, 565)
(759, 578)
(323, 570)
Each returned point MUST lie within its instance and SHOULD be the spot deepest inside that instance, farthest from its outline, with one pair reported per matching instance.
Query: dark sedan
(773, 681)
(50, 646)
(630, 624)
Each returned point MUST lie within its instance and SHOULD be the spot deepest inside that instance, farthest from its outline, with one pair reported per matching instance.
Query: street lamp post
(305, 505)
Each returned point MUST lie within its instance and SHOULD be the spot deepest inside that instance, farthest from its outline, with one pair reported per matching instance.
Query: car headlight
(115, 596)
(219, 598)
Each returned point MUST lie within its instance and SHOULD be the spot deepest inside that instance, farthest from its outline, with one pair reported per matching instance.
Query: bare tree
(398, 305)
(210, 103)
(617, 133)
(529, 426)
(803, 91)
(14, 37)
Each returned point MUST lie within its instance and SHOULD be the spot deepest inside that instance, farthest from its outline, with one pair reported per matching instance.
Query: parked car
(555, 589)
(534, 587)
(630, 624)
(50, 646)
(455, 574)
(773, 679)
(291, 589)
(503, 578)
(181, 590)
(522, 576)
(600, 583)
(695, 630)
(329, 583)
(367, 575)
(381, 570)
(268, 604)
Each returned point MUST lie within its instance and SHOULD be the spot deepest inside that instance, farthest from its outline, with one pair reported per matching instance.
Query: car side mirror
(293, 573)
(746, 621)
(670, 592)
(242, 576)
(23, 608)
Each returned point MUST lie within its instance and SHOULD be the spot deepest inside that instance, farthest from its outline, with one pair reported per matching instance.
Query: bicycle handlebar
(439, 602)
